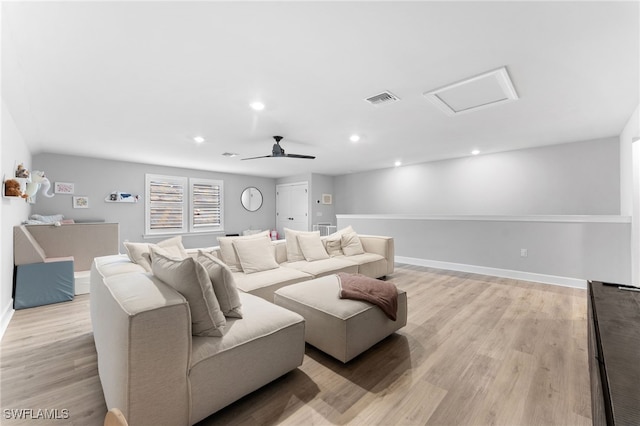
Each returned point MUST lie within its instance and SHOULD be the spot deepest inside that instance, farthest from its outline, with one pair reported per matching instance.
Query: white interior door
(292, 207)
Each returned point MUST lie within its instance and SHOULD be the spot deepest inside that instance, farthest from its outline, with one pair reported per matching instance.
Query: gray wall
(96, 179)
(575, 178)
(321, 213)
(579, 250)
(581, 178)
(12, 212)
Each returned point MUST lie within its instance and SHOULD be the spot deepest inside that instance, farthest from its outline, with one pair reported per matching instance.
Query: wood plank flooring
(476, 350)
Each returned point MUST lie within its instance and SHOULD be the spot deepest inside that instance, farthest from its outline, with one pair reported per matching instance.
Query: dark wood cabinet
(614, 354)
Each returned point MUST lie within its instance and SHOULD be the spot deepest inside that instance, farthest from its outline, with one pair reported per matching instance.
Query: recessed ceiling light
(398, 163)
(354, 138)
(198, 139)
(257, 106)
(475, 152)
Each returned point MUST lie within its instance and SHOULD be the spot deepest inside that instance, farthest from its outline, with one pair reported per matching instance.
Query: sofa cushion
(351, 244)
(370, 264)
(294, 253)
(266, 343)
(256, 254)
(224, 285)
(264, 283)
(191, 280)
(139, 252)
(228, 252)
(324, 267)
(312, 247)
(116, 264)
(333, 242)
(261, 319)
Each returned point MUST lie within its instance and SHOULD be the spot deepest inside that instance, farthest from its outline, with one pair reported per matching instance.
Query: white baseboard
(495, 272)
(7, 314)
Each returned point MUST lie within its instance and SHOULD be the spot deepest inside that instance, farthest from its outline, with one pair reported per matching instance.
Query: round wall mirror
(251, 199)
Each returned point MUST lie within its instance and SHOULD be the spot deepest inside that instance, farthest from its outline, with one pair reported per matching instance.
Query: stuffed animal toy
(12, 189)
(21, 172)
(38, 182)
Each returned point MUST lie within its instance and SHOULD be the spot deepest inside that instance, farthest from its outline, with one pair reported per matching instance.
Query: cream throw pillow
(294, 253)
(139, 252)
(191, 280)
(224, 285)
(312, 247)
(255, 254)
(333, 243)
(351, 244)
(228, 252)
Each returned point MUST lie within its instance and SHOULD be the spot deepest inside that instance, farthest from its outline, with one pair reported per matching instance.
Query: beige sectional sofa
(156, 372)
(153, 368)
(376, 262)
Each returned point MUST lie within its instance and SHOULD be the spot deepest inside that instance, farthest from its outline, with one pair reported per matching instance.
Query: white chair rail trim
(497, 218)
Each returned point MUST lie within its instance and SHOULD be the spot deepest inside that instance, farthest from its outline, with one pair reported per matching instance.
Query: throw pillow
(139, 252)
(255, 254)
(294, 253)
(228, 252)
(346, 230)
(312, 247)
(333, 243)
(351, 244)
(224, 285)
(190, 279)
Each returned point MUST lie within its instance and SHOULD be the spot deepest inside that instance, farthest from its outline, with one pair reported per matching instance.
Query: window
(178, 205)
(206, 204)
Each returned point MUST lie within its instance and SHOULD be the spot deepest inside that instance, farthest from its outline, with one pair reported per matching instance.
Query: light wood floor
(476, 350)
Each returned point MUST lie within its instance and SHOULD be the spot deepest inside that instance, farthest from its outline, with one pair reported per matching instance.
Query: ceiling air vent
(229, 154)
(383, 98)
(482, 91)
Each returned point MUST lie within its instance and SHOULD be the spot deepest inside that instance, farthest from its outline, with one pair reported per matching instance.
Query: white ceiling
(137, 81)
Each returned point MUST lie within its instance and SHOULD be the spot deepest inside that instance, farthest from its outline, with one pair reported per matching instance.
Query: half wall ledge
(498, 218)
(564, 250)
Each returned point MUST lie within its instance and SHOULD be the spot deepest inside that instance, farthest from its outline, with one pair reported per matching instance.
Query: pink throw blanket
(360, 287)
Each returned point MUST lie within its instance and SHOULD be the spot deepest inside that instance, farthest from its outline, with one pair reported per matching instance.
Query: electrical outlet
(524, 252)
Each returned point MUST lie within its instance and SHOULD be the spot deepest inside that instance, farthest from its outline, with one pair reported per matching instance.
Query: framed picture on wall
(326, 199)
(80, 202)
(63, 188)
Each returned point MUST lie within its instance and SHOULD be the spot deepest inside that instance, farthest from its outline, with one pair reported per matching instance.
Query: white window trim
(188, 227)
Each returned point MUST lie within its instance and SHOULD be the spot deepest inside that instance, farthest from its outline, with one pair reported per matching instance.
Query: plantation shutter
(206, 202)
(178, 205)
(166, 204)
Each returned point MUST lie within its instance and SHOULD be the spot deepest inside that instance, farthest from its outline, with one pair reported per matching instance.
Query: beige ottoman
(342, 328)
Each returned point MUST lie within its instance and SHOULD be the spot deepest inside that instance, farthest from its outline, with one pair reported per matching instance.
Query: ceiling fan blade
(310, 157)
(278, 152)
(253, 158)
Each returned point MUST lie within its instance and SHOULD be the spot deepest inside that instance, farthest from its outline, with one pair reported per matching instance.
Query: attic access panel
(482, 91)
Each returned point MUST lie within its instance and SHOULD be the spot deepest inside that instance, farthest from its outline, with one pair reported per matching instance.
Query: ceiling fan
(278, 151)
